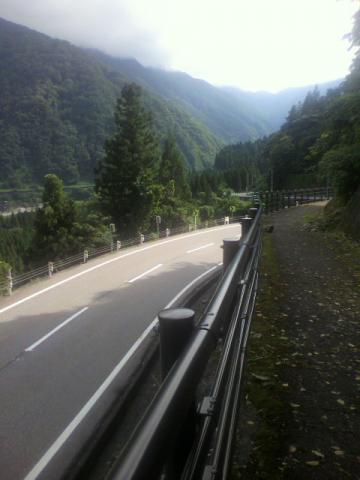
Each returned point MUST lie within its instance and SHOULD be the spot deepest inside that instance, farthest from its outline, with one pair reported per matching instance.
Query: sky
(251, 44)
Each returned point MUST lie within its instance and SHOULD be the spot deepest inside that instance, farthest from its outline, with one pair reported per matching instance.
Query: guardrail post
(9, 282)
(253, 212)
(245, 225)
(50, 269)
(86, 255)
(142, 238)
(176, 327)
(226, 220)
(230, 248)
(118, 245)
(167, 232)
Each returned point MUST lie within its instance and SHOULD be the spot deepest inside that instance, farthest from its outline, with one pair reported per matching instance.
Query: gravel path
(301, 418)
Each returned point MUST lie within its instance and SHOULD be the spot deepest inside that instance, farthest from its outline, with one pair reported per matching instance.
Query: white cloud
(254, 44)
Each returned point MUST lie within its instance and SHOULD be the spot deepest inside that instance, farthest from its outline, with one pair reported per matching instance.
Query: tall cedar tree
(126, 175)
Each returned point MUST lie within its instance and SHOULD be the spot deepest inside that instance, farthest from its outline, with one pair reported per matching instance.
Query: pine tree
(125, 177)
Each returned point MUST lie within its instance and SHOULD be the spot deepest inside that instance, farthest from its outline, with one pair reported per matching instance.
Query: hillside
(228, 118)
(57, 104)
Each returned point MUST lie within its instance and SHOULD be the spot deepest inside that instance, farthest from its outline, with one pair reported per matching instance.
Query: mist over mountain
(57, 103)
(274, 107)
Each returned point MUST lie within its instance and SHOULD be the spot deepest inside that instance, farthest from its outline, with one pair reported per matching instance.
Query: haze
(251, 44)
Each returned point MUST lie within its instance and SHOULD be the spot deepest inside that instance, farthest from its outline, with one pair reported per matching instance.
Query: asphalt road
(64, 339)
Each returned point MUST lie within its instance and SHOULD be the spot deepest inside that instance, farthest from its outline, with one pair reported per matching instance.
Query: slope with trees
(57, 101)
(56, 111)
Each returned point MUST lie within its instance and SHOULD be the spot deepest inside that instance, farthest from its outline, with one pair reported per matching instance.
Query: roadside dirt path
(301, 416)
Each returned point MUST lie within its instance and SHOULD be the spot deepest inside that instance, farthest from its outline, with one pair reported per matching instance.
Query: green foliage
(63, 228)
(342, 164)
(16, 234)
(243, 165)
(127, 173)
(54, 223)
(55, 107)
(4, 269)
(172, 170)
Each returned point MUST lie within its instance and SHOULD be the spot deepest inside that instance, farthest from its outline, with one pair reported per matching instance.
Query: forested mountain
(57, 106)
(228, 118)
(57, 103)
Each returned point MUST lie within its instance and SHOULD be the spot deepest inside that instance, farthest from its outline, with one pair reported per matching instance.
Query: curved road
(63, 340)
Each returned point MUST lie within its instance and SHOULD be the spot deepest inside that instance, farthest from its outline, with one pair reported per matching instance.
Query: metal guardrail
(14, 281)
(182, 436)
(274, 201)
(175, 438)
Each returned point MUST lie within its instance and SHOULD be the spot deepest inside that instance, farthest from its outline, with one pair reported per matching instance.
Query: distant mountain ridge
(57, 103)
(274, 107)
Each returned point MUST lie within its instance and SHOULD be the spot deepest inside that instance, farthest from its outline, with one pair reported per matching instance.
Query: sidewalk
(301, 413)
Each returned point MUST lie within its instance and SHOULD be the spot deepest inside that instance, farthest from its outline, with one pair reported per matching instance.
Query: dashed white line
(145, 273)
(45, 337)
(55, 447)
(200, 248)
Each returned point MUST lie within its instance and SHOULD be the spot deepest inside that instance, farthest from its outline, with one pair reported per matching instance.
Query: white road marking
(95, 267)
(55, 447)
(200, 248)
(145, 273)
(45, 337)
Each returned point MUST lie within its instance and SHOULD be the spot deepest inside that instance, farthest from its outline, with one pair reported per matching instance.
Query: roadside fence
(14, 280)
(274, 201)
(271, 201)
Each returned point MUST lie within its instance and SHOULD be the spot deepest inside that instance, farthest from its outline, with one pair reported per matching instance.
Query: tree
(126, 175)
(54, 225)
(342, 166)
(172, 169)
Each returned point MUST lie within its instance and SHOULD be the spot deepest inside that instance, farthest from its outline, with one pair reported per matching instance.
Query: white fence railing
(13, 281)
